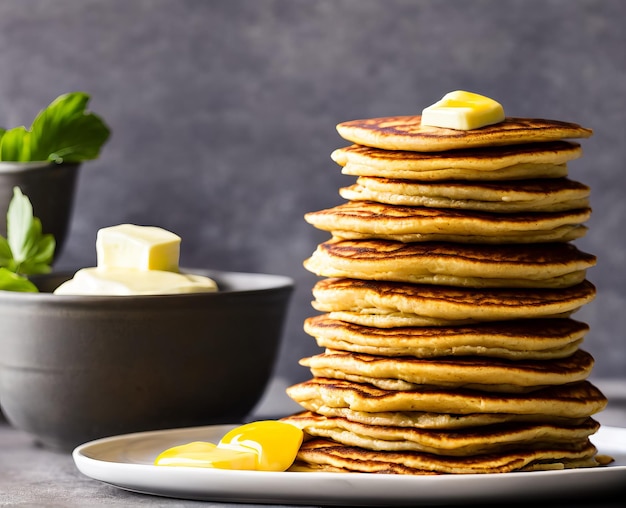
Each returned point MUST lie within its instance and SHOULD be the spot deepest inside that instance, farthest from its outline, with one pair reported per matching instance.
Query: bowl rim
(15, 167)
(265, 282)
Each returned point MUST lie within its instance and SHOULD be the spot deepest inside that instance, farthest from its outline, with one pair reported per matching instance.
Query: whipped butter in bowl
(135, 260)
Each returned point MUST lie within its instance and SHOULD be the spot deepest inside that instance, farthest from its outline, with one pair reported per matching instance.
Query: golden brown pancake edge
(407, 133)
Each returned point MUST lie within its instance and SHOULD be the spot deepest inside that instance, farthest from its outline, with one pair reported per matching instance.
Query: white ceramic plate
(126, 462)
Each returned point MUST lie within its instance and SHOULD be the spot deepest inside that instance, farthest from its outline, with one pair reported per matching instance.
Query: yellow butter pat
(464, 111)
(266, 445)
(138, 247)
(204, 454)
(274, 443)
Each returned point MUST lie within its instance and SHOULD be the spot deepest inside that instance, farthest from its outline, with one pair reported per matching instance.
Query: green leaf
(39, 251)
(19, 220)
(14, 145)
(6, 257)
(25, 251)
(44, 251)
(10, 281)
(32, 238)
(30, 267)
(65, 132)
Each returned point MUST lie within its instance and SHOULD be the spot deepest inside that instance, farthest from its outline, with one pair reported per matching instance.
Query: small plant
(62, 132)
(26, 250)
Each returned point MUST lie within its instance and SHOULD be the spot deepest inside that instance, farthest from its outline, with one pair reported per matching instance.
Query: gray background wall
(223, 115)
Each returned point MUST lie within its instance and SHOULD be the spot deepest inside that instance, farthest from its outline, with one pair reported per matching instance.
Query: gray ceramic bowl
(77, 368)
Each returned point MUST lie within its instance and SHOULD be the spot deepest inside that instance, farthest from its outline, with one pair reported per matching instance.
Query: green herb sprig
(62, 132)
(25, 251)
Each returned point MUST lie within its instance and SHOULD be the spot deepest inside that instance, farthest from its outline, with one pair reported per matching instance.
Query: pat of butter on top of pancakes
(461, 110)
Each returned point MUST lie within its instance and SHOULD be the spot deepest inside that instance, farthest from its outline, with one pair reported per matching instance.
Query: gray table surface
(31, 475)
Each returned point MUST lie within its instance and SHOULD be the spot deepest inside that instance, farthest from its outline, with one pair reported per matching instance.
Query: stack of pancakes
(449, 282)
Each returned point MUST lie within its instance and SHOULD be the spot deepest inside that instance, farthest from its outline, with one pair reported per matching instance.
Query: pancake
(368, 219)
(551, 265)
(510, 173)
(407, 133)
(391, 304)
(530, 339)
(322, 454)
(477, 373)
(538, 160)
(461, 443)
(567, 401)
(548, 195)
(427, 420)
(449, 282)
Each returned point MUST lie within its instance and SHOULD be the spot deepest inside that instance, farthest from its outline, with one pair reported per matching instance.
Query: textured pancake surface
(489, 374)
(322, 454)
(550, 265)
(466, 442)
(385, 304)
(368, 219)
(538, 160)
(528, 339)
(548, 195)
(567, 401)
(488, 158)
(408, 133)
(429, 420)
(509, 173)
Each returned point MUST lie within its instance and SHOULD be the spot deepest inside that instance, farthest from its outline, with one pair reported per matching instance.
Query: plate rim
(358, 488)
